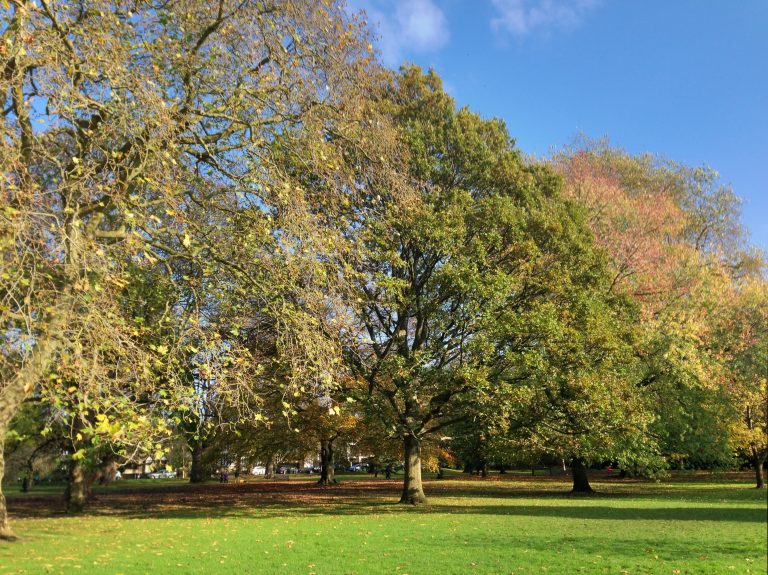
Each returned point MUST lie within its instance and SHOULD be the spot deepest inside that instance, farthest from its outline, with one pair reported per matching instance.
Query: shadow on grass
(264, 499)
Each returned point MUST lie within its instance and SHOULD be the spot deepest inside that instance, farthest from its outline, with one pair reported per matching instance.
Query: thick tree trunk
(269, 468)
(580, 478)
(108, 471)
(196, 474)
(758, 464)
(14, 392)
(327, 474)
(5, 527)
(413, 491)
(79, 485)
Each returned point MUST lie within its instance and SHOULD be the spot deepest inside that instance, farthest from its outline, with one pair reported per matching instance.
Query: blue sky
(687, 79)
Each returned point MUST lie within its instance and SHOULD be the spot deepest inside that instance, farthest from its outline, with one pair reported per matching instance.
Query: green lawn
(512, 526)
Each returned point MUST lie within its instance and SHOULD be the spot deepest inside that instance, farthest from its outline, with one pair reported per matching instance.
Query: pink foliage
(635, 218)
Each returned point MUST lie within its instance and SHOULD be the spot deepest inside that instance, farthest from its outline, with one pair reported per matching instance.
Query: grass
(520, 525)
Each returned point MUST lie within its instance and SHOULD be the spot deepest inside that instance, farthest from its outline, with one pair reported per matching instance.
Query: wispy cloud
(405, 26)
(521, 17)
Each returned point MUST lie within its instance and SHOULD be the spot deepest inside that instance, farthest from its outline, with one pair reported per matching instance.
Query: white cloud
(520, 17)
(405, 26)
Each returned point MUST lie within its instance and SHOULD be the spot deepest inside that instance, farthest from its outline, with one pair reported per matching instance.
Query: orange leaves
(633, 210)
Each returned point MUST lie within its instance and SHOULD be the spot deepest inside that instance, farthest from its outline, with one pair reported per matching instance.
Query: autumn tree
(742, 338)
(675, 247)
(135, 136)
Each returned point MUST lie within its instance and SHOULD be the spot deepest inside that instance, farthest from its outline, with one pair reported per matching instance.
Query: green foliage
(482, 296)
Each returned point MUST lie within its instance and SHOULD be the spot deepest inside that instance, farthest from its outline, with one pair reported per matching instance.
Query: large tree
(675, 247)
(137, 135)
(462, 279)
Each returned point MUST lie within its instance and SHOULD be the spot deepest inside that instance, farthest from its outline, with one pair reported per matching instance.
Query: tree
(132, 136)
(326, 422)
(675, 246)
(461, 277)
(742, 335)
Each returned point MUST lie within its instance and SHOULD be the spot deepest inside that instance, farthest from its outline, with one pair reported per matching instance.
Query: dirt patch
(209, 497)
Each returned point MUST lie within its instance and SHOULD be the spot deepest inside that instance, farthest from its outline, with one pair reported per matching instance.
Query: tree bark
(413, 492)
(14, 392)
(580, 478)
(5, 527)
(196, 474)
(108, 471)
(327, 473)
(269, 467)
(79, 485)
(758, 464)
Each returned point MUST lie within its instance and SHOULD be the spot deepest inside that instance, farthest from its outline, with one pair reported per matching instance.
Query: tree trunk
(108, 471)
(759, 474)
(327, 474)
(196, 474)
(5, 527)
(15, 391)
(269, 467)
(413, 491)
(79, 484)
(580, 478)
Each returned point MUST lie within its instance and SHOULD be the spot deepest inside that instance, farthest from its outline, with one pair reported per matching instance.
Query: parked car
(162, 474)
(259, 470)
(288, 469)
(355, 467)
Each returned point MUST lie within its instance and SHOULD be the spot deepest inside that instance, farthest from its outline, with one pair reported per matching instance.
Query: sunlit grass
(519, 526)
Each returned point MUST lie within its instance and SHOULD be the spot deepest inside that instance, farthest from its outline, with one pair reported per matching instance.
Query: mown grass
(512, 526)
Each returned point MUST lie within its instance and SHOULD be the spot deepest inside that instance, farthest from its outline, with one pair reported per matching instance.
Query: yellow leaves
(160, 349)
